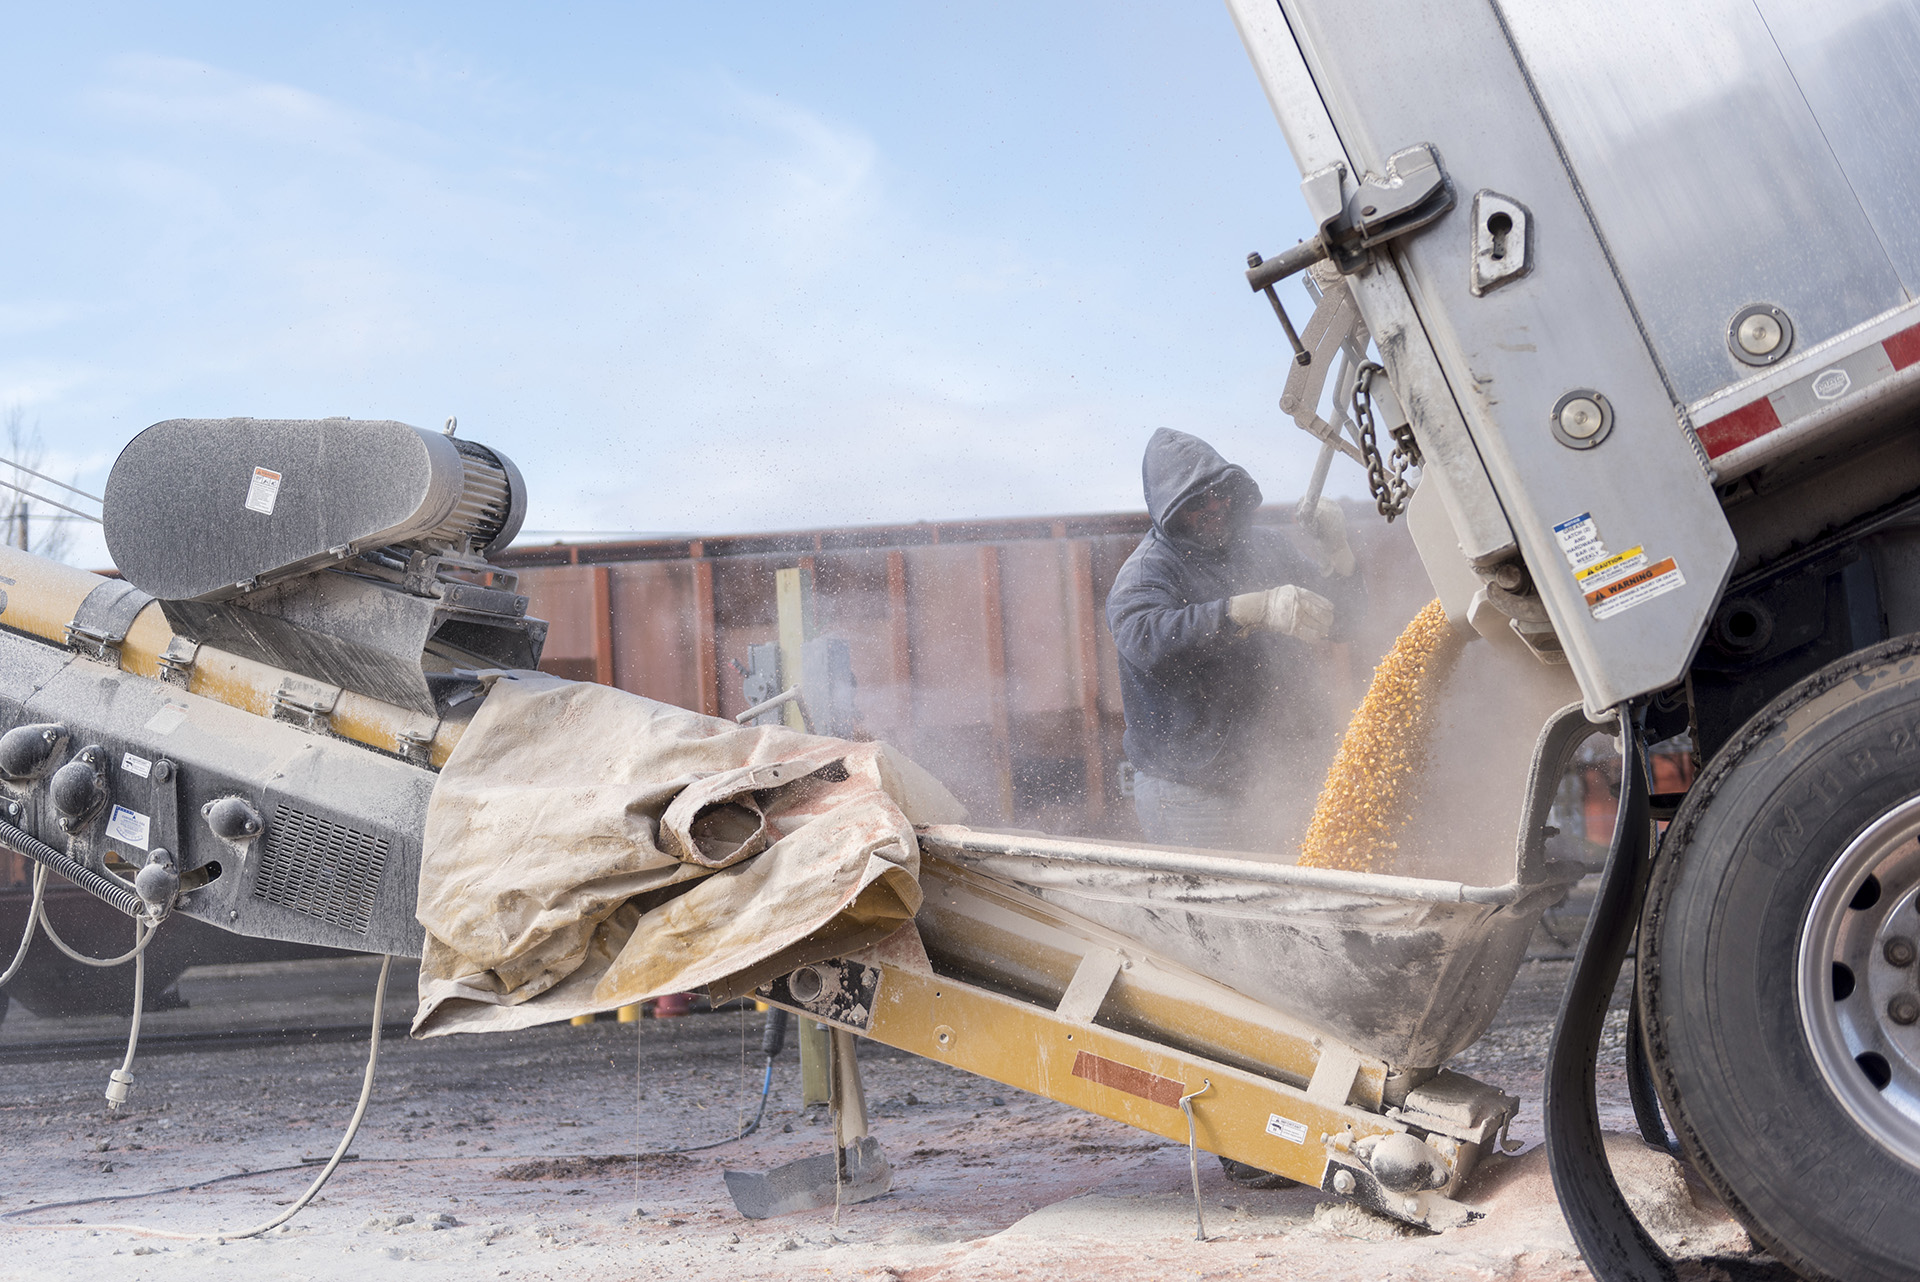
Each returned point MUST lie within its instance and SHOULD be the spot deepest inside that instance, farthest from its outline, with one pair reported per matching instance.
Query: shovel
(812, 1182)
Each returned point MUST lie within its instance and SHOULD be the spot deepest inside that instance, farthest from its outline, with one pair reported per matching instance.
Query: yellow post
(629, 1013)
(581, 1021)
(794, 596)
(816, 1061)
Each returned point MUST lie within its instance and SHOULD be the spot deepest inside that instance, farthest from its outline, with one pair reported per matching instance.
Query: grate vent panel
(324, 869)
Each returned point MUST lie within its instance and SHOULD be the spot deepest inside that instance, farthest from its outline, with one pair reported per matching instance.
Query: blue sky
(696, 268)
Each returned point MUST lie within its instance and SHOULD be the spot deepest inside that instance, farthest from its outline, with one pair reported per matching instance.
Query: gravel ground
(510, 1156)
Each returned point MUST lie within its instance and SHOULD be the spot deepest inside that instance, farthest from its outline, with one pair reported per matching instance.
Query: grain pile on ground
(1368, 792)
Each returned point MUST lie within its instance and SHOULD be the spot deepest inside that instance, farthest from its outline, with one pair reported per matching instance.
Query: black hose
(775, 1035)
(99, 886)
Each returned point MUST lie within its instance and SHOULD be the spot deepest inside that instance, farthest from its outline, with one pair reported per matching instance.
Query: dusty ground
(989, 1182)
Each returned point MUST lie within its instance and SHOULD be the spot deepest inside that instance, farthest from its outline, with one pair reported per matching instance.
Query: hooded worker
(1214, 627)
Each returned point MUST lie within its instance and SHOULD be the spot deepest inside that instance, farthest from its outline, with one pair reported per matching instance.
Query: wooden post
(602, 580)
(1083, 614)
(706, 652)
(899, 634)
(993, 625)
(793, 595)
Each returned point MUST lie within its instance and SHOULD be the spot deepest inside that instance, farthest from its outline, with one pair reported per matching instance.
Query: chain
(1387, 477)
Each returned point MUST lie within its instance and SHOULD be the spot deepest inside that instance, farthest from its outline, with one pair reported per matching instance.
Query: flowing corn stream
(1369, 790)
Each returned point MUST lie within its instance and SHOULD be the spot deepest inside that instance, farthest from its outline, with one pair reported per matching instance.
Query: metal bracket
(101, 622)
(176, 661)
(1502, 241)
(415, 745)
(1412, 193)
(306, 704)
(836, 992)
(159, 881)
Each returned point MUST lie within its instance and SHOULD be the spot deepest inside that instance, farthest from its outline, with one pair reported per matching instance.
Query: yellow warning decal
(1612, 567)
(1629, 590)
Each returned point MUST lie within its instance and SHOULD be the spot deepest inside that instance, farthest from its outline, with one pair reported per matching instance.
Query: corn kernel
(1374, 772)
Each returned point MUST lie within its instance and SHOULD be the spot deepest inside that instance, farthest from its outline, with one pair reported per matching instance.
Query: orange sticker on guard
(1125, 1077)
(1630, 590)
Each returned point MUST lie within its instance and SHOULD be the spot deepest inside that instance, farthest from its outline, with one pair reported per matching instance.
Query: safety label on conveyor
(129, 826)
(1629, 590)
(1285, 1128)
(264, 492)
(1607, 570)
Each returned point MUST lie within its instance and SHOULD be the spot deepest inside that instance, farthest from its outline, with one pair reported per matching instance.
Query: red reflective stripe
(1903, 349)
(1748, 423)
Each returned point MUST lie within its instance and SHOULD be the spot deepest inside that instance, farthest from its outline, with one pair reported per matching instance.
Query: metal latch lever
(1413, 193)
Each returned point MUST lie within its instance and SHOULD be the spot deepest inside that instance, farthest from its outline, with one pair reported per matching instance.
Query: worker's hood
(1178, 467)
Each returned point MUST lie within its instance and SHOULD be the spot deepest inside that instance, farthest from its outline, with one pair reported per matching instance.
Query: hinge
(176, 661)
(415, 744)
(306, 704)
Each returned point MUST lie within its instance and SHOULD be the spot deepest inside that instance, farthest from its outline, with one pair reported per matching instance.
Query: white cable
(353, 1128)
(33, 914)
(120, 1081)
(140, 941)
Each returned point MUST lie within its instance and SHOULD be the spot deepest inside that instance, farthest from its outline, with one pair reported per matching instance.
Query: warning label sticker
(129, 826)
(1629, 590)
(1285, 1128)
(264, 492)
(136, 765)
(1579, 538)
(1606, 571)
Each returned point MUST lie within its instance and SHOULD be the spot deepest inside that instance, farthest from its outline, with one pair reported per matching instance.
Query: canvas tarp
(587, 848)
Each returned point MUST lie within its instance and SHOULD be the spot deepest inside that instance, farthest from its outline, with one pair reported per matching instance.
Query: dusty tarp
(586, 848)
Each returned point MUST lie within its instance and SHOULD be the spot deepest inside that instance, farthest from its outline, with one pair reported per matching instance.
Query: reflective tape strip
(1757, 418)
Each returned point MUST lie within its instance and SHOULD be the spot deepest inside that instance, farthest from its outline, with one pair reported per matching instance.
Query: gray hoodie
(1205, 705)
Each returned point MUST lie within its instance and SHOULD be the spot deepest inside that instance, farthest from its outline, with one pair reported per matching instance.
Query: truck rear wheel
(1777, 981)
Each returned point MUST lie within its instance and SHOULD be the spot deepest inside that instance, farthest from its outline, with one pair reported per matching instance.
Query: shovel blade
(808, 1184)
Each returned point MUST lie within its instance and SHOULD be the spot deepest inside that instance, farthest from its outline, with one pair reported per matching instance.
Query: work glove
(1327, 526)
(1289, 610)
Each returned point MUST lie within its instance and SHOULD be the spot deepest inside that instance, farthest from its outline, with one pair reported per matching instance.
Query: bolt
(1507, 576)
(1904, 1008)
(1343, 1182)
(1759, 334)
(1898, 950)
(1581, 418)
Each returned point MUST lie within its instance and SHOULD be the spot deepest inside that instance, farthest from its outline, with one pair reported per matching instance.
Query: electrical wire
(772, 1041)
(21, 467)
(33, 915)
(141, 938)
(120, 1082)
(299, 1203)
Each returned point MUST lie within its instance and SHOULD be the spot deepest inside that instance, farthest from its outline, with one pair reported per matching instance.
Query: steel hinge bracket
(176, 661)
(306, 704)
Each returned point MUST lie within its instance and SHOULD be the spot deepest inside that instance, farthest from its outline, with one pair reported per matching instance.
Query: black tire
(1252, 1177)
(1738, 873)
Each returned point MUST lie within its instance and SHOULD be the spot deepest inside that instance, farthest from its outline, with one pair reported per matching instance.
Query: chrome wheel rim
(1859, 980)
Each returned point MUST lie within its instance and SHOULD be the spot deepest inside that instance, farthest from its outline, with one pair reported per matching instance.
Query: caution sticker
(1613, 567)
(170, 718)
(1285, 1128)
(264, 492)
(1629, 590)
(135, 765)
